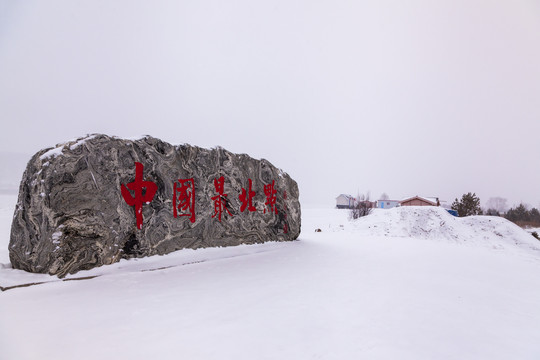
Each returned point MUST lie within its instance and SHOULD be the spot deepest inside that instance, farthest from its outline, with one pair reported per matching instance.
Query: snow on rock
(54, 152)
(70, 144)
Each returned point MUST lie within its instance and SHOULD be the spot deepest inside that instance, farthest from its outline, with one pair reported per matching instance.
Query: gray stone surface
(71, 214)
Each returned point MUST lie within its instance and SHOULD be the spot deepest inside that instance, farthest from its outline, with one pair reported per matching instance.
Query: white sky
(435, 98)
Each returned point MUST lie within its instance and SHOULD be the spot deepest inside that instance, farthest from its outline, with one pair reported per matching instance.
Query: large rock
(79, 203)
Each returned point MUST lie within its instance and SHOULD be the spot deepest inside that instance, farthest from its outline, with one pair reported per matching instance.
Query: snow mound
(428, 222)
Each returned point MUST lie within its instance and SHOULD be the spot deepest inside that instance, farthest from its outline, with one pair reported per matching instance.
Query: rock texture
(71, 214)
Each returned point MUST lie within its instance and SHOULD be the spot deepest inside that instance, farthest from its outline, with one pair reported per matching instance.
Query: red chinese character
(286, 226)
(138, 199)
(220, 200)
(270, 193)
(184, 198)
(246, 197)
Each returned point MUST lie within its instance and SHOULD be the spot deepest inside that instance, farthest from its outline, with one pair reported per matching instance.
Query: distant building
(388, 204)
(344, 201)
(420, 201)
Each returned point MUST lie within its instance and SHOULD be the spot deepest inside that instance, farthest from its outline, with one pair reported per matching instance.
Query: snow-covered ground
(399, 284)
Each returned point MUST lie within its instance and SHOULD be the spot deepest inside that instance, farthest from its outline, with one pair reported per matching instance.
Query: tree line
(469, 204)
(523, 217)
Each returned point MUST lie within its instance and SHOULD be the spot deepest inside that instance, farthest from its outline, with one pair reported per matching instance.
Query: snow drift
(427, 222)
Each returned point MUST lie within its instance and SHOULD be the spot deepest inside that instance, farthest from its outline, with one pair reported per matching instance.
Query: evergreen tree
(534, 214)
(522, 216)
(468, 205)
(521, 213)
(511, 215)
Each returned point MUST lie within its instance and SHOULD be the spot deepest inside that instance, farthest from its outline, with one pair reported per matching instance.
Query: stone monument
(99, 199)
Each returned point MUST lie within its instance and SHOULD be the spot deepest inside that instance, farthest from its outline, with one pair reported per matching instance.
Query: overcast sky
(430, 98)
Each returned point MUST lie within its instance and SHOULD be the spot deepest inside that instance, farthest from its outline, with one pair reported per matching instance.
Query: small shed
(344, 201)
(388, 204)
(420, 201)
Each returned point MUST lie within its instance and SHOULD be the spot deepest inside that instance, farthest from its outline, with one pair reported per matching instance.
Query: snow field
(352, 291)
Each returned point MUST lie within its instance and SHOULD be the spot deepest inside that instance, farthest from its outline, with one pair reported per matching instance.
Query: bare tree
(384, 196)
(362, 207)
(498, 204)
